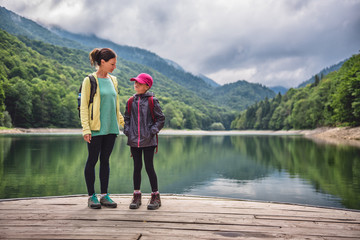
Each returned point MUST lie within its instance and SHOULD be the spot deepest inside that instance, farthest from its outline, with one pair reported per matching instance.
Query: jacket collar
(147, 94)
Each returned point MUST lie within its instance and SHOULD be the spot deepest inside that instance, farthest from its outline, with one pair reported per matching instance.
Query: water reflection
(268, 168)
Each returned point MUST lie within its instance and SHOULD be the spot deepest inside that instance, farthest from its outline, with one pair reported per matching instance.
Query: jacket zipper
(139, 122)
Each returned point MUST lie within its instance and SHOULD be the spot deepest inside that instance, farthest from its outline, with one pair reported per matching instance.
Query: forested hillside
(197, 85)
(36, 88)
(17, 25)
(39, 84)
(322, 74)
(241, 94)
(331, 101)
(147, 58)
(20, 26)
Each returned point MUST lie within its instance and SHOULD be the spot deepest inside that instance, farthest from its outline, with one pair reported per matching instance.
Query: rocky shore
(344, 135)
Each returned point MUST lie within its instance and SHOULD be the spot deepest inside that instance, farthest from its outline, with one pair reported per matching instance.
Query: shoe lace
(153, 199)
(94, 198)
(135, 197)
(108, 198)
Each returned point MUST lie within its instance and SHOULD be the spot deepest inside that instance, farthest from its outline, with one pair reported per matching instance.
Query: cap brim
(138, 80)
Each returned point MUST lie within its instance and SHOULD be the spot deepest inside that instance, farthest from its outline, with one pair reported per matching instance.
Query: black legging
(149, 166)
(102, 145)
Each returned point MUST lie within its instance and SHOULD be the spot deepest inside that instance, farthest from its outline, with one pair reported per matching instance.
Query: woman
(100, 122)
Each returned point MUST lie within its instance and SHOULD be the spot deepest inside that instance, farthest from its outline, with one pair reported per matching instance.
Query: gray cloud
(281, 42)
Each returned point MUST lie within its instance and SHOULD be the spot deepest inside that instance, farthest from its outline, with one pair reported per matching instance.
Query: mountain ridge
(39, 84)
(323, 73)
(200, 86)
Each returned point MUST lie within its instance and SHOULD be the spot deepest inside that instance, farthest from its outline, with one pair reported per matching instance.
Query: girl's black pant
(149, 166)
(103, 146)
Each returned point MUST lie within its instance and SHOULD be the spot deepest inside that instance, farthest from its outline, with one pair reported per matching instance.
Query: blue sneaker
(93, 202)
(107, 201)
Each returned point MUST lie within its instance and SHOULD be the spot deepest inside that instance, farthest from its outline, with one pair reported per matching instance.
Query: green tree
(346, 100)
(217, 126)
(19, 103)
(331, 100)
(2, 101)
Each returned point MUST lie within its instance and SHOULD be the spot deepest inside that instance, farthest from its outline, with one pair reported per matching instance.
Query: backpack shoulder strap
(151, 105)
(93, 88)
(129, 104)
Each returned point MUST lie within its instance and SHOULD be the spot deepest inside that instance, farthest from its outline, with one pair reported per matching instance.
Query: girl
(143, 121)
(100, 122)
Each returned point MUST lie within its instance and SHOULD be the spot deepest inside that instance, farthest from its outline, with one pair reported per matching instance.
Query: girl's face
(140, 88)
(108, 66)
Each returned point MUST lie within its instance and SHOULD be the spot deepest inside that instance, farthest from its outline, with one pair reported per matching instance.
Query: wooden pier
(180, 217)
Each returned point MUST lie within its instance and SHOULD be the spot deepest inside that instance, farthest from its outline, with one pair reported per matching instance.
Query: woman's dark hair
(101, 53)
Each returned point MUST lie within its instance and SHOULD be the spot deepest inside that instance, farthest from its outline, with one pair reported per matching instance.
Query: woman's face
(108, 66)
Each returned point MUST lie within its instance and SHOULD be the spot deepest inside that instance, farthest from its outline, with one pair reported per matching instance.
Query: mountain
(333, 100)
(17, 25)
(39, 84)
(279, 89)
(209, 80)
(174, 64)
(237, 95)
(322, 73)
(144, 57)
(189, 101)
(199, 85)
(20, 26)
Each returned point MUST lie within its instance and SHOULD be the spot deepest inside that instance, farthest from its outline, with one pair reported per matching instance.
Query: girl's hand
(87, 138)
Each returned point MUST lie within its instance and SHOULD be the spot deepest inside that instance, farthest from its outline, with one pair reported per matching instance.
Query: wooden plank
(180, 217)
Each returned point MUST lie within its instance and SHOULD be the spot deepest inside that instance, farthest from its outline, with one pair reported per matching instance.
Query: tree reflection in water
(267, 168)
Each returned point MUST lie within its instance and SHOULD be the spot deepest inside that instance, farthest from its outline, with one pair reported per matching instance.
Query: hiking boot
(155, 202)
(136, 201)
(107, 202)
(93, 202)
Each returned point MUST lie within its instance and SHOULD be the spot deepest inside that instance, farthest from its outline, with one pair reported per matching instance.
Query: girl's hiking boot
(93, 202)
(107, 201)
(136, 201)
(155, 201)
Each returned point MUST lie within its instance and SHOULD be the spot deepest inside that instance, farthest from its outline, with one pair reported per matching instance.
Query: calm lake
(268, 168)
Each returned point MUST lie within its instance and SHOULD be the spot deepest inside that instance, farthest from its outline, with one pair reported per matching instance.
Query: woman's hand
(87, 138)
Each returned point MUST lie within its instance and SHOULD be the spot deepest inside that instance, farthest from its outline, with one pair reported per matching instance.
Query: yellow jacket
(94, 124)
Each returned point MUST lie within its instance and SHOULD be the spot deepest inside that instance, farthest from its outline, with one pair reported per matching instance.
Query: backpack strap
(129, 104)
(93, 87)
(151, 105)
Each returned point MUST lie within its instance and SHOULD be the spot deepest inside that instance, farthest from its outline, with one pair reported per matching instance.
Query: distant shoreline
(344, 136)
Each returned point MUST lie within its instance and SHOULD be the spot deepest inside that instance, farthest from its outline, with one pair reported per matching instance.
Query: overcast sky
(272, 42)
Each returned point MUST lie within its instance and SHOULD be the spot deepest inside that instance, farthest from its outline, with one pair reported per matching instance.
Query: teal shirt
(108, 121)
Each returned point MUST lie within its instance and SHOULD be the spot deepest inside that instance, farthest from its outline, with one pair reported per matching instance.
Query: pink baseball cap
(143, 78)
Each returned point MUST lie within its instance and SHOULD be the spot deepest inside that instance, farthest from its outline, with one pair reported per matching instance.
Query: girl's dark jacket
(139, 126)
